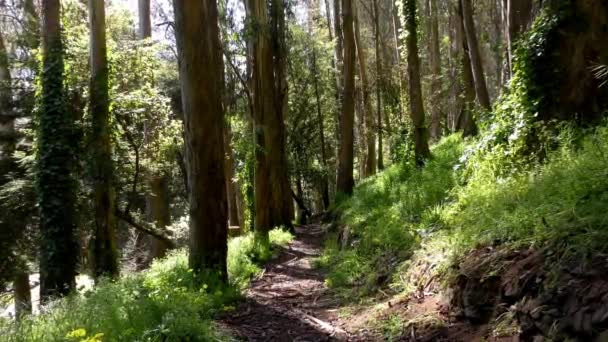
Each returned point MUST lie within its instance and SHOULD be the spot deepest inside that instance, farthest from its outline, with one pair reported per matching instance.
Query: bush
(164, 303)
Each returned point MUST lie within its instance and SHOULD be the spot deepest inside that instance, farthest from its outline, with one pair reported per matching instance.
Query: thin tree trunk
(57, 187)
(379, 82)
(345, 181)
(435, 58)
(370, 140)
(201, 65)
(105, 256)
(481, 90)
(324, 180)
(231, 186)
(421, 146)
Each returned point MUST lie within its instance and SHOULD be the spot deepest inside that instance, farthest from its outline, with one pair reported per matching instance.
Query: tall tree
(273, 204)
(379, 81)
(157, 198)
(421, 145)
(345, 181)
(55, 162)
(145, 21)
(370, 156)
(435, 58)
(200, 70)
(481, 90)
(105, 256)
(465, 121)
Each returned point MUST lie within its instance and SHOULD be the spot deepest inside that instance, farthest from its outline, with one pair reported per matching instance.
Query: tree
(145, 22)
(421, 145)
(370, 156)
(200, 70)
(465, 121)
(435, 59)
(379, 81)
(481, 90)
(273, 204)
(55, 161)
(105, 256)
(345, 181)
(518, 14)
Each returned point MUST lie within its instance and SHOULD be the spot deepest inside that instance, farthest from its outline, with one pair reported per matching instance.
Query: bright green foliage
(457, 207)
(389, 213)
(164, 303)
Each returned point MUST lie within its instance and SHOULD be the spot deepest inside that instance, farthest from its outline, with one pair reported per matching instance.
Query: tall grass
(457, 203)
(164, 303)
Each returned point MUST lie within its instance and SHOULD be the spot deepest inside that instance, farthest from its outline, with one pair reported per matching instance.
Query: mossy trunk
(200, 70)
(56, 186)
(421, 145)
(158, 211)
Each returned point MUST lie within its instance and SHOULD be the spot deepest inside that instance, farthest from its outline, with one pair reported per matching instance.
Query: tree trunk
(370, 140)
(324, 180)
(518, 16)
(435, 59)
(145, 22)
(23, 294)
(379, 82)
(273, 204)
(157, 198)
(345, 181)
(56, 184)
(7, 119)
(105, 256)
(158, 211)
(200, 70)
(231, 186)
(481, 89)
(466, 120)
(421, 145)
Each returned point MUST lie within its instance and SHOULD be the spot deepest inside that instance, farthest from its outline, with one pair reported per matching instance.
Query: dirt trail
(290, 301)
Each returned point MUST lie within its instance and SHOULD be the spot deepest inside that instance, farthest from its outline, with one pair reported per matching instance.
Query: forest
(303, 170)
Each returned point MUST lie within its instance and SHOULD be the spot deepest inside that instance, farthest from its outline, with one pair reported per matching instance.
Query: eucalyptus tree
(345, 181)
(201, 70)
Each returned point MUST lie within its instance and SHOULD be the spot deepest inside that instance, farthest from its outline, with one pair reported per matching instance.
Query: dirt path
(290, 301)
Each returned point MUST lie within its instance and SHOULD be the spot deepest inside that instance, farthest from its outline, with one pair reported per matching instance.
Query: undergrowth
(164, 303)
(461, 200)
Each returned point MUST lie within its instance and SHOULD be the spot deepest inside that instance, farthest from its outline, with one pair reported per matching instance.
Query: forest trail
(290, 301)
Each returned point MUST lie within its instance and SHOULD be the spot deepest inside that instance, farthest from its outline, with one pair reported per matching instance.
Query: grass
(164, 303)
(457, 203)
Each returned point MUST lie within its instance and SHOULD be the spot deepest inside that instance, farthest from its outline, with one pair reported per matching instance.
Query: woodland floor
(290, 301)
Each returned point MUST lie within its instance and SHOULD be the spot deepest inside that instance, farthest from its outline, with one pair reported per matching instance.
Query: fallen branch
(144, 227)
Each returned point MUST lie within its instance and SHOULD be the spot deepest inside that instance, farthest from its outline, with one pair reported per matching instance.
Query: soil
(290, 301)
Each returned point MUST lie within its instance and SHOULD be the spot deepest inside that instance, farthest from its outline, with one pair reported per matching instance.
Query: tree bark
(273, 205)
(370, 140)
(200, 69)
(145, 22)
(435, 59)
(231, 186)
(379, 82)
(23, 295)
(105, 256)
(421, 146)
(466, 120)
(481, 90)
(345, 181)
(55, 181)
